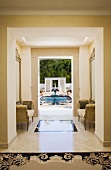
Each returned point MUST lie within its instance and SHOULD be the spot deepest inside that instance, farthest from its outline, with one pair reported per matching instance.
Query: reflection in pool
(56, 99)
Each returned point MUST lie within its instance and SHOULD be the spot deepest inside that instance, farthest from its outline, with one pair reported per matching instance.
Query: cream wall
(99, 94)
(58, 21)
(84, 73)
(11, 86)
(26, 73)
(99, 89)
(3, 87)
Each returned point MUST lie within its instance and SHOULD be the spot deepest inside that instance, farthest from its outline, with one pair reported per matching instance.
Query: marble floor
(30, 141)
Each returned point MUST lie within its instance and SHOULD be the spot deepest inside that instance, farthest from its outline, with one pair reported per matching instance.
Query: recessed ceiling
(54, 5)
(54, 37)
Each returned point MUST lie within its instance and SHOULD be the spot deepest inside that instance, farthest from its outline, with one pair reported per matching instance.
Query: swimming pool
(56, 99)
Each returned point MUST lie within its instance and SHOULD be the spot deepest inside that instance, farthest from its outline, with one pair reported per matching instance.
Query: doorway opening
(55, 80)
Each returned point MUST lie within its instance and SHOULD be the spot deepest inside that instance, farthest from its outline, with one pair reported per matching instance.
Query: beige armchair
(86, 111)
(30, 107)
(24, 112)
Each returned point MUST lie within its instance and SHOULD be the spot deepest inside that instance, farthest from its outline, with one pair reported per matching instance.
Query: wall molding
(54, 12)
(103, 143)
(7, 145)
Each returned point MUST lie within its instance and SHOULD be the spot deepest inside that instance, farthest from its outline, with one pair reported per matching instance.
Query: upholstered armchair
(86, 110)
(30, 107)
(24, 112)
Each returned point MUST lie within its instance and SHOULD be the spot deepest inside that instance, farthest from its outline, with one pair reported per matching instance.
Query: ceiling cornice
(55, 12)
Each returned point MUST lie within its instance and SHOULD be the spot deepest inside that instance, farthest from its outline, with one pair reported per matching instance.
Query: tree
(55, 68)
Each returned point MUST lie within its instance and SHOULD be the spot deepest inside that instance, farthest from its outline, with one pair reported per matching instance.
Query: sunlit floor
(55, 126)
(80, 141)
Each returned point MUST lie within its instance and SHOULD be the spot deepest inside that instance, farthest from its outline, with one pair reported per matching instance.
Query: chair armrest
(20, 107)
(21, 113)
(90, 112)
(90, 106)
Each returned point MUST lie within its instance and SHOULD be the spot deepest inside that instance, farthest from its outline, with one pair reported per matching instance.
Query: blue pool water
(56, 99)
